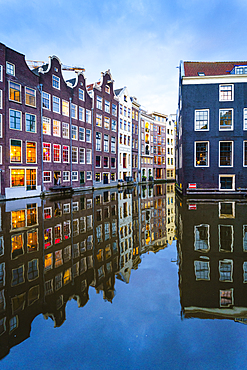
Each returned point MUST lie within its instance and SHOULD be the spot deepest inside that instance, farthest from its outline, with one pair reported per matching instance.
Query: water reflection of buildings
(52, 250)
(212, 246)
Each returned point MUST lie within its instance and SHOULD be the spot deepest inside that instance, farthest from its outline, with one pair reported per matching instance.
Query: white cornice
(202, 80)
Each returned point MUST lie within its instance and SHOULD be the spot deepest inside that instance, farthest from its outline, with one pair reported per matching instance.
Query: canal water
(123, 279)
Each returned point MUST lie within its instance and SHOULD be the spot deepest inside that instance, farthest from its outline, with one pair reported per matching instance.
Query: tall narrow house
(212, 128)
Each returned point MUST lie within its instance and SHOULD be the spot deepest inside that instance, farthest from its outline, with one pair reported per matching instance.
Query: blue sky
(140, 41)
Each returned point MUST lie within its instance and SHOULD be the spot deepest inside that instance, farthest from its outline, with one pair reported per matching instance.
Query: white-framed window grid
(226, 121)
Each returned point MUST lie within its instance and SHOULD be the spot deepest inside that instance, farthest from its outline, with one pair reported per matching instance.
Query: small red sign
(192, 206)
(192, 186)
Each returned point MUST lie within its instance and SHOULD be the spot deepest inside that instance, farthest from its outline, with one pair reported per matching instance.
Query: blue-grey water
(161, 307)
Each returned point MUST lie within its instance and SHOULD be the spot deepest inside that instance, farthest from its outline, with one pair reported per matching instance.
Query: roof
(118, 91)
(91, 86)
(210, 68)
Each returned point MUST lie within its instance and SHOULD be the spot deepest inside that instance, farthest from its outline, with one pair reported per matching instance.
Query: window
(30, 97)
(65, 154)
(113, 162)
(245, 153)
(74, 111)
(56, 82)
(81, 94)
(81, 114)
(98, 161)
(74, 154)
(66, 176)
(15, 119)
(201, 238)
(1, 73)
(18, 276)
(88, 116)
(46, 152)
(45, 100)
(89, 156)
(107, 106)
(202, 270)
(65, 130)
(47, 176)
(226, 153)
(89, 176)
(1, 126)
(201, 154)
(98, 141)
(65, 108)
(226, 92)
(225, 238)
(107, 89)
(227, 182)
(114, 109)
(74, 175)
(31, 152)
(106, 143)
(98, 120)
(56, 104)
(107, 123)
(30, 122)
(225, 270)
(10, 69)
(82, 155)
(56, 153)
(113, 144)
(15, 151)
(56, 128)
(106, 162)
(202, 120)
(99, 102)
(226, 119)
(46, 126)
(74, 132)
(88, 136)
(81, 134)
(33, 270)
(114, 125)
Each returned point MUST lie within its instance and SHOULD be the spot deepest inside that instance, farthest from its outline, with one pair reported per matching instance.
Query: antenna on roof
(70, 68)
(32, 64)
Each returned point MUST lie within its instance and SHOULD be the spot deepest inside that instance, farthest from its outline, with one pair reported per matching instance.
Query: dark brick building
(212, 127)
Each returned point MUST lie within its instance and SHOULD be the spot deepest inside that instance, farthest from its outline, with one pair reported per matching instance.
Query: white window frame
(81, 114)
(89, 175)
(68, 153)
(36, 146)
(56, 102)
(88, 151)
(232, 126)
(73, 108)
(74, 150)
(56, 80)
(195, 120)
(233, 182)
(1, 154)
(81, 92)
(65, 104)
(82, 131)
(99, 102)
(16, 129)
(59, 128)
(75, 131)
(26, 87)
(68, 177)
(89, 141)
(50, 151)
(74, 175)
(198, 142)
(1, 125)
(227, 141)
(32, 132)
(66, 126)
(48, 120)
(8, 65)
(59, 161)
(48, 98)
(245, 119)
(82, 150)
(1, 73)
(88, 116)
(46, 176)
(1, 99)
(229, 262)
(232, 89)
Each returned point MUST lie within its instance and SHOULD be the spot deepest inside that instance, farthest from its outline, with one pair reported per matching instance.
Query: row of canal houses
(56, 133)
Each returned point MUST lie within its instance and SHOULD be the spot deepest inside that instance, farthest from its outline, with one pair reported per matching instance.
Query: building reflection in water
(212, 246)
(52, 250)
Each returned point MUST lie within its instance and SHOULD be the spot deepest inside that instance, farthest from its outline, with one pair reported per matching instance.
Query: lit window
(47, 176)
(46, 152)
(31, 179)
(65, 130)
(56, 128)
(65, 153)
(56, 104)
(30, 122)
(30, 97)
(107, 123)
(56, 82)
(201, 120)
(10, 69)
(45, 100)
(46, 126)
(15, 151)
(16, 245)
(48, 237)
(32, 240)
(56, 153)
(201, 154)
(31, 152)
(17, 177)
(15, 119)
(226, 119)
(48, 262)
(226, 92)
(65, 108)
(98, 120)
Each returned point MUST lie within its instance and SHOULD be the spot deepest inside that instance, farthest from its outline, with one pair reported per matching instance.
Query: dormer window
(107, 89)
(241, 70)
(125, 98)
